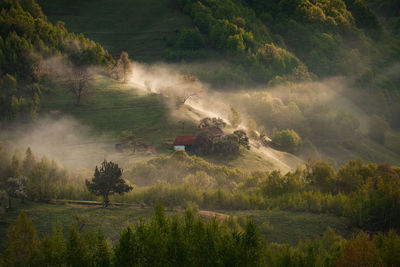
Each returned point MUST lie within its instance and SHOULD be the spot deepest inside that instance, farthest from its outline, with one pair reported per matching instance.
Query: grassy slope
(136, 26)
(116, 107)
(287, 227)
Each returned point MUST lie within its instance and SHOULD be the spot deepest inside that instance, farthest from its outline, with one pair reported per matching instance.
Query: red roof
(184, 140)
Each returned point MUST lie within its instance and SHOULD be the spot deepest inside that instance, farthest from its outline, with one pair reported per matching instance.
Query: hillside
(285, 116)
(138, 27)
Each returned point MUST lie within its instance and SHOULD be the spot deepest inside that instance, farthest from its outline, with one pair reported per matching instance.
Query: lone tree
(125, 64)
(78, 83)
(108, 181)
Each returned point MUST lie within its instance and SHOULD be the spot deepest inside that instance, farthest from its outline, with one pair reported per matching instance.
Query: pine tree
(124, 250)
(54, 248)
(101, 256)
(108, 181)
(77, 250)
(22, 245)
(29, 162)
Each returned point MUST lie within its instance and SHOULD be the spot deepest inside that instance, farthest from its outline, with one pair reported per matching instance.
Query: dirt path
(206, 214)
(209, 214)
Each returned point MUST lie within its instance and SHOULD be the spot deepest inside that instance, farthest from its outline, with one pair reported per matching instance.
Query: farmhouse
(185, 143)
(188, 142)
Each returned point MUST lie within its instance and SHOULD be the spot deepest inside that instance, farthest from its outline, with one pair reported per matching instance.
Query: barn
(185, 143)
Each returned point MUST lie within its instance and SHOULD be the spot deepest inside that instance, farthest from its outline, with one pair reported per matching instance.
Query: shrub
(287, 140)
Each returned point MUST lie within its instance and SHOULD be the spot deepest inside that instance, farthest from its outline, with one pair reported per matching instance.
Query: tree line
(28, 44)
(187, 240)
(366, 193)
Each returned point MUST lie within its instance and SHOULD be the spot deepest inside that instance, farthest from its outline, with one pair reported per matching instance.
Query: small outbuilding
(184, 143)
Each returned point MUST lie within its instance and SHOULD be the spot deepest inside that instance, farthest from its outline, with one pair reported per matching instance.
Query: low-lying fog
(77, 146)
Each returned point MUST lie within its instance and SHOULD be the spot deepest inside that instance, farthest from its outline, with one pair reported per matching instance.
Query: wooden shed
(184, 142)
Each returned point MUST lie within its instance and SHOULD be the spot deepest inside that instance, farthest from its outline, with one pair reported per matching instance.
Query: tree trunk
(9, 202)
(106, 201)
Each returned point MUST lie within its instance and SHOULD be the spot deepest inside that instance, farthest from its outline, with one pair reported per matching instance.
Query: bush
(287, 140)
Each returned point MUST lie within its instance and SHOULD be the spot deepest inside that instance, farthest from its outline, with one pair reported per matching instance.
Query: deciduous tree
(78, 83)
(124, 64)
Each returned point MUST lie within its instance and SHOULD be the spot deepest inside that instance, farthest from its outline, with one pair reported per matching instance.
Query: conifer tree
(22, 245)
(108, 181)
(54, 248)
(124, 250)
(77, 250)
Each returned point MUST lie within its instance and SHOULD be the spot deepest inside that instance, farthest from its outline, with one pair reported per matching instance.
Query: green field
(44, 216)
(115, 107)
(284, 227)
(291, 227)
(135, 26)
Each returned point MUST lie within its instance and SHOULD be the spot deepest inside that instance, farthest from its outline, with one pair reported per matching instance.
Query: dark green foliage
(235, 31)
(53, 248)
(108, 181)
(189, 39)
(188, 240)
(23, 244)
(76, 254)
(366, 194)
(27, 39)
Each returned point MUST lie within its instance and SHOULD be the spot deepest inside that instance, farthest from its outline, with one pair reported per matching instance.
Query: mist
(77, 146)
(67, 141)
(330, 95)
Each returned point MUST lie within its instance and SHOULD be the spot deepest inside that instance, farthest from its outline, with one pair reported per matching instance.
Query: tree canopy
(107, 181)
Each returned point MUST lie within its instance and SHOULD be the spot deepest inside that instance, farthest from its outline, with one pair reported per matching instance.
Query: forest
(292, 105)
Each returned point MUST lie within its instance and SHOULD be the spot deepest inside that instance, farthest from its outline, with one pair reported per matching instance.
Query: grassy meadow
(276, 226)
(115, 107)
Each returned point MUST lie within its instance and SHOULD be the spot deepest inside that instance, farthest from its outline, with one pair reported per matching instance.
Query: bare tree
(78, 83)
